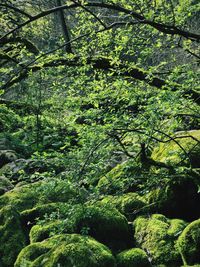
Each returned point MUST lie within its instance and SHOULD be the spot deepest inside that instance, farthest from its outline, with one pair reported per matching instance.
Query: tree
(131, 67)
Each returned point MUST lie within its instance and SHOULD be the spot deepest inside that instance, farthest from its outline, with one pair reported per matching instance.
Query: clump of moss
(39, 232)
(157, 235)
(103, 222)
(134, 257)
(122, 178)
(39, 212)
(38, 193)
(183, 151)
(189, 243)
(12, 238)
(179, 198)
(5, 185)
(66, 250)
(128, 204)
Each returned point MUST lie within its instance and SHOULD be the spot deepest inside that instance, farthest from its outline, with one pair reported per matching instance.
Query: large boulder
(134, 257)
(189, 243)
(184, 149)
(104, 223)
(129, 204)
(157, 236)
(122, 178)
(38, 193)
(7, 156)
(179, 198)
(12, 237)
(66, 250)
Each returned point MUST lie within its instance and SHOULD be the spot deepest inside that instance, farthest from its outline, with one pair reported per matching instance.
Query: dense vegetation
(99, 133)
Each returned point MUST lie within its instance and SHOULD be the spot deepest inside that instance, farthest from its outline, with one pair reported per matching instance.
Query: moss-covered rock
(134, 257)
(183, 150)
(66, 250)
(104, 223)
(189, 243)
(12, 238)
(41, 211)
(157, 236)
(7, 156)
(5, 185)
(122, 178)
(40, 232)
(129, 204)
(43, 192)
(22, 169)
(179, 198)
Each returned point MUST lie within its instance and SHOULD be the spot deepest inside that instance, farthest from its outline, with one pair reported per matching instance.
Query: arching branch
(167, 29)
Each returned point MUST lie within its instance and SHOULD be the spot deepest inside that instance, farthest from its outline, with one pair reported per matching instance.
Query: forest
(99, 133)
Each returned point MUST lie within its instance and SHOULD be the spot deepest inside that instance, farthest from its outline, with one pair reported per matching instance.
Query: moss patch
(189, 243)
(134, 257)
(103, 222)
(43, 192)
(129, 204)
(186, 152)
(121, 178)
(157, 236)
(66, 250)
(12, 238)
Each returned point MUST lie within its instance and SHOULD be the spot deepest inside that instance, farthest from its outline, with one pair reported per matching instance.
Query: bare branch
(168, 29)
(16, 10)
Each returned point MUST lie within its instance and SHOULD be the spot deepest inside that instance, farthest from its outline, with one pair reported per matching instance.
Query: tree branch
(168, 29)
(29, 45)
(17, 10)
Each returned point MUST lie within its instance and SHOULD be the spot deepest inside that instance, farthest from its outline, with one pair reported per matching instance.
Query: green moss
(103, 222)
(158, 235)
(128, 204)
(189, 243)
(66, 250)
(179, 199)
(12, 238)
(42, 211)
(43, 192)
(39, 233)
(120, 179)
(134, 257)
(172, 153)
(5, 185)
